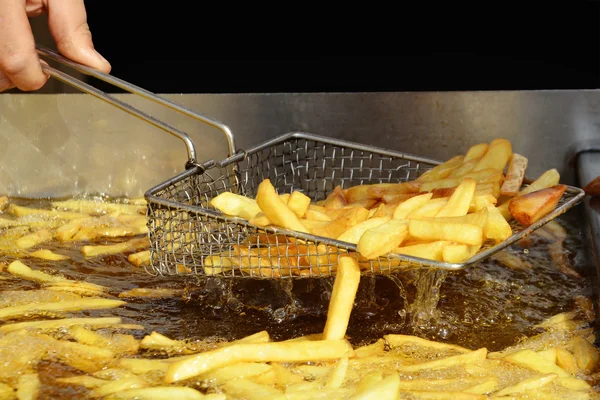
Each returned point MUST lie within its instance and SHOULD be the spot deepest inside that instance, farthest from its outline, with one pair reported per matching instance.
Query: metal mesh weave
(188, 237)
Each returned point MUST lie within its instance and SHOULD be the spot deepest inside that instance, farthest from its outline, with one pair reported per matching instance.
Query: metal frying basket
(188, 236)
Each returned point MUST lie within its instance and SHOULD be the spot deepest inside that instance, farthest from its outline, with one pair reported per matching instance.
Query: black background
(201, 47)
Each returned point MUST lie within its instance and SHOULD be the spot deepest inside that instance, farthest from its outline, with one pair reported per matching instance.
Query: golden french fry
(530, 359)
(164, 393)
(383, 190)
(514, 176)
(275, 209)
(59, 323)
(396, 340)
(86, 206)
(130, 245)
(466, 167)
(457, 253)
(302, 351)
(586, 354)
(525, 385)
(28, 386)
(59, 306)
(21, 211)
(429, 209)
(465, 358)
(298, 203)
(460, 201)
(476, 151)
(354, 233)
(236, 205)
(140, 258)
(496, 227)
(441, 171)
(382, 239)
(342, 299)
(496, 156)
(446, 231)
(407, 207)
(34, 238)
(388, 388)
(430, 251)
(49, 255)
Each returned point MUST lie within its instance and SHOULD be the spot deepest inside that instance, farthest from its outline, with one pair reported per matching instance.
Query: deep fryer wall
(59, 145)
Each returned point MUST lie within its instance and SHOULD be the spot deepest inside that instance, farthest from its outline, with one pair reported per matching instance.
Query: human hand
(19, 62)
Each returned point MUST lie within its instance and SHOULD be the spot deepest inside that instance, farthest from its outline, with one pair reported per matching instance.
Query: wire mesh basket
(190, 237)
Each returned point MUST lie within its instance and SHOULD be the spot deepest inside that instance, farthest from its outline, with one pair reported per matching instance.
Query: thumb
(67, 20)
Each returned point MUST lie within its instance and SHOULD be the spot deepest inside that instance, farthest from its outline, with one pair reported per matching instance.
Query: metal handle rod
(84, 87)
(140, 92)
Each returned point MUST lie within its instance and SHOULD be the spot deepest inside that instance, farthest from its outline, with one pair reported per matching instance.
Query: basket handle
(84, 87)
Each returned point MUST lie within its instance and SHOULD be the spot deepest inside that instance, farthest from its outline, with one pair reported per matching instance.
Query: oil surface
(486, 305)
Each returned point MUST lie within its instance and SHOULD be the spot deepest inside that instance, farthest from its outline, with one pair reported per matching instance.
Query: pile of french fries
(75, 222)
(446, 214)
(47, 326)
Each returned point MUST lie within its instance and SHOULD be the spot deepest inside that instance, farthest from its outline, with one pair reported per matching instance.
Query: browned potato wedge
(534, 206)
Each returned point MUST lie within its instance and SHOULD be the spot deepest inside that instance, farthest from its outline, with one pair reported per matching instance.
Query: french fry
(525, 385)
(164, 393)
(466, 167)
(514, 176)
(335, 200)
(86, 206)
(140, 258)
(21, 211)
(236, 205)
(382, 239)
(446, 231)
(59, 323)
(441, 171)
(460, 201)
(302, 351)
(496, 156)
(59, 306)
(275, 209)
(49, 255)
(429, 209)
(532, 360)
(88, 382)
(298, 203)
(431, 250)
(396, 340)
(119, 385)
(457, 253)
(548, 179)
(128, 246)
(246, 389)
(476, 151)
(586, 354)
(28, 386)
(34, 238)
(405, 208)
(354, 233)
(465, 358)
(530, 208)
(342, 299)
(388, 388)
